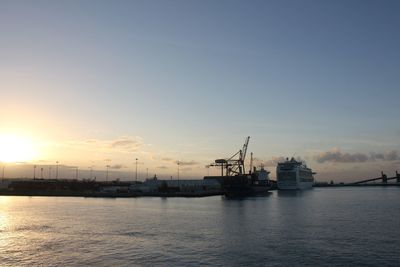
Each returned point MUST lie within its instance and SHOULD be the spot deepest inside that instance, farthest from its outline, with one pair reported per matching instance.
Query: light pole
(147, 173)
(178, 169)
(77, 173)
(41, 173)
(108, 166)
(34, 172)
(136, 171)
(49, 172)
(2, 176)
(56, 170)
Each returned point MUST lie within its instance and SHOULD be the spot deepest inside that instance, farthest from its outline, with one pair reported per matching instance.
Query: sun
(14, 148)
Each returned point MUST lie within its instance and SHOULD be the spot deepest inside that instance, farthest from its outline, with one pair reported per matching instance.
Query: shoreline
(158, 194)
(109, 195)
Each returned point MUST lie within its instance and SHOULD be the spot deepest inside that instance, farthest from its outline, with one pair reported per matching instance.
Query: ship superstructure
(292, 174)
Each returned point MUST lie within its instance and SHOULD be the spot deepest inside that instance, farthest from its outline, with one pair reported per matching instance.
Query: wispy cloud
(186, 163)
(268, 163)
(117, 166)
(387, 156)
(182, 163)
(129, 144)
(62, 166)
(162, 167)
(337, 156)
(121, 144)
(273, 161)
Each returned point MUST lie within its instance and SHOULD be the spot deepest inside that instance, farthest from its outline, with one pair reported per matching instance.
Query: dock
(383, 180)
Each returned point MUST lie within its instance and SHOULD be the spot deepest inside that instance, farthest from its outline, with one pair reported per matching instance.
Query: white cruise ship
(292, 175)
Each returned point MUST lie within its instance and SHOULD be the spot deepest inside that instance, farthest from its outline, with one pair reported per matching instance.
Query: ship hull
(295, 186)
(241, 186)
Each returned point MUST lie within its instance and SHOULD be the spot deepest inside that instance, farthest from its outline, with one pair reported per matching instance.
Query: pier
(91, 188)
(383, 180)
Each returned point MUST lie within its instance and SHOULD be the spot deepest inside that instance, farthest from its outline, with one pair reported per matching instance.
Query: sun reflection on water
(4, 222)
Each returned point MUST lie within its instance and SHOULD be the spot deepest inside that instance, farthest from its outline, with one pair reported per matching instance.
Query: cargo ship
(254, 184)
(235, 182)
(294, 175)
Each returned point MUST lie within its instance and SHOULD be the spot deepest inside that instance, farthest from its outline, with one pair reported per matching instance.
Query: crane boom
(235, 164)
(244, 150)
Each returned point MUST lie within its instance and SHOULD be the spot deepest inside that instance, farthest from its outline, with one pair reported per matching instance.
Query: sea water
(322, 226)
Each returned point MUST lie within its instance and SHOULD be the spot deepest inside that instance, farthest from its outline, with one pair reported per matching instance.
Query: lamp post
(77, 173)
(2, 176)
(34, 172)
(108, 166)
(178, 169)
(136, 171)
(41, 173)
(56, 170)
(49, 172)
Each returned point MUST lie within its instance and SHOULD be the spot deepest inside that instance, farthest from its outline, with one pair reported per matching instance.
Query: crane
(233, 165)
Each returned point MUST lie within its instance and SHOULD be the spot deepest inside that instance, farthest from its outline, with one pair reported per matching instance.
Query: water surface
(330, 226)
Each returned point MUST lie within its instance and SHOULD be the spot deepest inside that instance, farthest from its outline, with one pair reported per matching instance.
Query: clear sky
(96, 83)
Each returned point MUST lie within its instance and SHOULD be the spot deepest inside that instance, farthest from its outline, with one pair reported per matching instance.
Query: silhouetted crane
(233, 165)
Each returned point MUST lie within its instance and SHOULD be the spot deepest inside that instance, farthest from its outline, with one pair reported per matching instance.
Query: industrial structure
(235, 181)
(233, 166)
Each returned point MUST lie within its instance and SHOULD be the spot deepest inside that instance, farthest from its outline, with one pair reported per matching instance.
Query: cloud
(186, 163)
(268, 163)
(43, 161)
(129, 144)
(335, 155)
(117, 166)
(121, 144)
(162, 167)
(167, 159)
(67, 166)
(377, 156)
(391, 155)
(273, 161)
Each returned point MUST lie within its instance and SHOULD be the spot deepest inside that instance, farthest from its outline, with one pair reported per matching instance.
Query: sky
(97, 83)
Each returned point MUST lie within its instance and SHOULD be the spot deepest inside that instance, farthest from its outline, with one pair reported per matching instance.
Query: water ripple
(322, 227)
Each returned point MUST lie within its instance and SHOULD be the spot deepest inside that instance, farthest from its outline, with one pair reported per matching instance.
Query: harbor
(91, 188)
(154, 187)
(383, 180)
(233, 182)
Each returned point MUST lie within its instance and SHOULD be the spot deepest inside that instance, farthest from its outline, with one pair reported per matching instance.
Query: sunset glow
(14, 148)
(165, 84)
